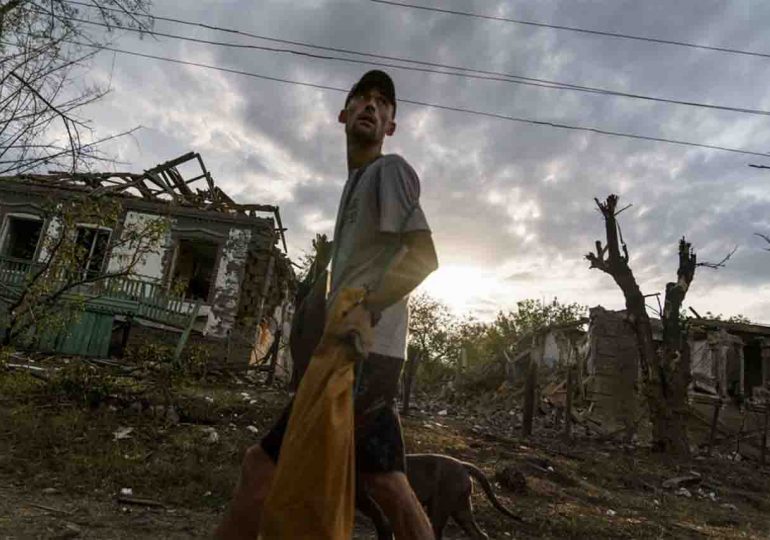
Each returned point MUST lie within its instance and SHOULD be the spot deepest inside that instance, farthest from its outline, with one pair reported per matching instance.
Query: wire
(430, 105)
(494, 75)
(577, 29)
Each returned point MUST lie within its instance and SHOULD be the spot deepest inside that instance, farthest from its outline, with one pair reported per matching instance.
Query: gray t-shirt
(384, 197)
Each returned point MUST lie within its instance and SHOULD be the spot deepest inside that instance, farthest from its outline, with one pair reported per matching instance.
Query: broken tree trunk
(665, 370)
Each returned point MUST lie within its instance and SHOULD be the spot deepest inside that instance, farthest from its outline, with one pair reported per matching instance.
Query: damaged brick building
(730, 367)
(219, 273)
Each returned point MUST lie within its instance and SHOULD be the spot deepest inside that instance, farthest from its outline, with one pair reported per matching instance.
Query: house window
(22, 237)
(93, 243)
(194, 268)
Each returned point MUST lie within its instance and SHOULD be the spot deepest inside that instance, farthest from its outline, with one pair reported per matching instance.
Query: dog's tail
(481, 478)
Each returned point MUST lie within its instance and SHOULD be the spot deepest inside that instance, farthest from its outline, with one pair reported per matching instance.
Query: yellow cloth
(313, 491)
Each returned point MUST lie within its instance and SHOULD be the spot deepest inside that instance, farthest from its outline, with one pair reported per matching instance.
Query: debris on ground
(151, 484)
(122, 433)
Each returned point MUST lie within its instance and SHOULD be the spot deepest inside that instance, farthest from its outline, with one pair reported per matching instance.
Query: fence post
(186, 334)
(764, 432)
(568, 403)
(529, 397)
(274, 349)
(714, 422)
(411, 372)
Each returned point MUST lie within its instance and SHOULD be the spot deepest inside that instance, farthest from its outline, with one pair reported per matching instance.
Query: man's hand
(354, 323)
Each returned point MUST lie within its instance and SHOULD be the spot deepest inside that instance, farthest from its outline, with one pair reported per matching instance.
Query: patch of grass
(18, 385)
(82, 383)
(61, 433)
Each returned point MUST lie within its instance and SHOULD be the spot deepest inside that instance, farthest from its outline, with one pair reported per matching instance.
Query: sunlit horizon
(463, 287)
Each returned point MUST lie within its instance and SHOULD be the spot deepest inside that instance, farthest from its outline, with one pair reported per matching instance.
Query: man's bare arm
(418, 262)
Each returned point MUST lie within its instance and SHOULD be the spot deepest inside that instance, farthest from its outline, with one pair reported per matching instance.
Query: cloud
(507, 197)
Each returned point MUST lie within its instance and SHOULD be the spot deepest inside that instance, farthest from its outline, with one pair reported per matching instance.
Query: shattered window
(194, 268)
(94, 243)
(22, 237)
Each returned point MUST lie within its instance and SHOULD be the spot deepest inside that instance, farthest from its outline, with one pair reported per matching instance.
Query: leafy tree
(439, 336)
(431, 328)
(530, 316)
(311, 266)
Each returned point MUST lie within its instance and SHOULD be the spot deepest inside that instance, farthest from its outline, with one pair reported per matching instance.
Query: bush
(147, 353)
(82, 383)
(194, 361)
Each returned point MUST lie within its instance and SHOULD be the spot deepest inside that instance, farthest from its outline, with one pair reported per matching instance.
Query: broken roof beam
(174, 162)
(281, 229)
(205, 172)
(156, 179)
(154, 183)
(142, 188)
(221, 195)
(178, 181)
(259, 207)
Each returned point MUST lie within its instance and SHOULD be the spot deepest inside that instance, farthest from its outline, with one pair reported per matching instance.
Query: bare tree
(665, 369)
(42, 45)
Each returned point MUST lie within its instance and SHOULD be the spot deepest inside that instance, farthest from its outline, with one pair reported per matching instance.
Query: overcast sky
(511, 204)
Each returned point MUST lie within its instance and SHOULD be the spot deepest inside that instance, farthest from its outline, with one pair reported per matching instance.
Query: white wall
(52, 231)
(151, 265)
(550, 350)
(228, 282)
(702, 359)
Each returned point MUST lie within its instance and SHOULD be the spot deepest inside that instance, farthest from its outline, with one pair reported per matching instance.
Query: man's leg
(241, 520)
(392, 492)
(380, 456)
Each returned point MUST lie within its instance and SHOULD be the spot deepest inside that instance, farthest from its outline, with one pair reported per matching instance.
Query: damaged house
(730, 359)
(216, 273)
(730, 366)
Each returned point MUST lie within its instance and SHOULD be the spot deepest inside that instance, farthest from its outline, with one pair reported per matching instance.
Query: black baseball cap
(375, 79)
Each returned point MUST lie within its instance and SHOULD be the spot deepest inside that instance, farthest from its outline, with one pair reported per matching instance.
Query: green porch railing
(151, 299)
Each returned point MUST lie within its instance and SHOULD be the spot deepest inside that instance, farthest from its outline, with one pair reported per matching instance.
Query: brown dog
(443, 485)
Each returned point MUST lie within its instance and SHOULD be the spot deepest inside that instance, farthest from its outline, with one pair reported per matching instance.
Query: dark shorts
(379, 441)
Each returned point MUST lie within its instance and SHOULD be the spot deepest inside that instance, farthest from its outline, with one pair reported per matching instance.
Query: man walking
(381, 241)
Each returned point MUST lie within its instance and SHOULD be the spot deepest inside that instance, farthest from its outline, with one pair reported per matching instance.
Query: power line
(577, 29)
(493, 75)
(430, 105)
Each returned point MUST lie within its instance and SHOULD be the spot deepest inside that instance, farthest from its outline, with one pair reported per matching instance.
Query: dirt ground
(66, 452)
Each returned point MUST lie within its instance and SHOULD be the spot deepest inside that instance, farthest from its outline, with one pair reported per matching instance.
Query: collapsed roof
(162, 183)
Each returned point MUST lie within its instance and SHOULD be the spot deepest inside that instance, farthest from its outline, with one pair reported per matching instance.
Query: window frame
(214, 240)
(83, 272)
(25, 216)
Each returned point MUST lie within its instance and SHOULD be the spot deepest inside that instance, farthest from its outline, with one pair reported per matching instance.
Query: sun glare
(460, 287)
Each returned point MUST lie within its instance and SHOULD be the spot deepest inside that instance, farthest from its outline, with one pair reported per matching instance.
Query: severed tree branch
(720, 264)
(763, 237)
(675, 294)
